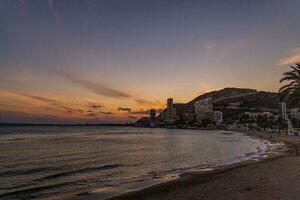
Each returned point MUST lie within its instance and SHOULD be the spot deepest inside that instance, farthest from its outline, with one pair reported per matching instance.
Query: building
(204, 109)
(283, 111)
(169, 109)
(237, 127)
(152, 115)
(171, 112)
(218, 117)
(254, 115)
(234, 105)
(294, 114)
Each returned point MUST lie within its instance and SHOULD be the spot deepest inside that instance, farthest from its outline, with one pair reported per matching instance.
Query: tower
(170, 111)
(152, 114)
(283, 111)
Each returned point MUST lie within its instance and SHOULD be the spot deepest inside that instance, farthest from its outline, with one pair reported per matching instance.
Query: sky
(110, 61)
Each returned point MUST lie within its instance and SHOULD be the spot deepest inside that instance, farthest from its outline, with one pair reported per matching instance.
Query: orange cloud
(37, 106)
(107, 91)
(292, 59)
(97, 88)
(34, 104)
(49, 101)
(147, 103)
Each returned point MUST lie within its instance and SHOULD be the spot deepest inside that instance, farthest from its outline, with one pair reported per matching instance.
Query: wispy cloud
(232, 45)
(29, 117)
(292, 59)
(130, 117)
(95, 106)
(106, 113)
(145, 102)
(124, 109)
(91, 114)
(107, 91)
(55, 12)
(50, 101)
(145, 112)
(38, 108)
(98, 88)
(14, 97)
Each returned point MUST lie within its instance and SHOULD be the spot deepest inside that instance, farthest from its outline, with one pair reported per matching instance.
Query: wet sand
(273, 178)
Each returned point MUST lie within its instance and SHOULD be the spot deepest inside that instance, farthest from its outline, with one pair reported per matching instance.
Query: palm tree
(291, 90)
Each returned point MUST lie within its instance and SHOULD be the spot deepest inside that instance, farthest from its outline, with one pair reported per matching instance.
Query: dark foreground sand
(274, 178)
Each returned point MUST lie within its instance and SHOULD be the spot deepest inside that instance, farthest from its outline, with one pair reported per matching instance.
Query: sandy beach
(273, 178)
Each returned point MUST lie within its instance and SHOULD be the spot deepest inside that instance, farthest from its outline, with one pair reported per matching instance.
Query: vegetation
(291, 90)
(207, 122)
(264, 122)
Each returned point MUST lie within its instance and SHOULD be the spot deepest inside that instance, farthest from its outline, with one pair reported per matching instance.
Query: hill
(232, 102)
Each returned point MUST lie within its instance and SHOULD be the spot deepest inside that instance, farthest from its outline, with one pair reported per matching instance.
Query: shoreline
(197, 182)
(190, 176)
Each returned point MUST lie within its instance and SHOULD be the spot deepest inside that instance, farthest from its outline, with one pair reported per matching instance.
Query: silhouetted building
(144, 121)
(169, 109)
(152, 114)
(171, 112)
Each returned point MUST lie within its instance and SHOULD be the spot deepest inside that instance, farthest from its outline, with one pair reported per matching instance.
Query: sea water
(47, 162)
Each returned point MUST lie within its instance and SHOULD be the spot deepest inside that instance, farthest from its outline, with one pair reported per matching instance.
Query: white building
(254, 115)
(283, 110)
(218, 117)
(204, 109)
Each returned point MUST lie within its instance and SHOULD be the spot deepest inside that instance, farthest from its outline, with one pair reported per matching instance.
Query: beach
(276, 176)
(154, 164)
(104, 162)
(273, 178)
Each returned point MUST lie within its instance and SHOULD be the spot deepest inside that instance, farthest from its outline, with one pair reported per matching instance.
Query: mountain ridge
(246, 99)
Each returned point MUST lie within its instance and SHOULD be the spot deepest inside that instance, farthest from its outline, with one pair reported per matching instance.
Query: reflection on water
(45, 162)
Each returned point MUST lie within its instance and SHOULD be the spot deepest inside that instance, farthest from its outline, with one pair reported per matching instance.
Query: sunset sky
(112, 60)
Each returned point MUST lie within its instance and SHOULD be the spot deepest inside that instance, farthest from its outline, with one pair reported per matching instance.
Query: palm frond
(291, 90)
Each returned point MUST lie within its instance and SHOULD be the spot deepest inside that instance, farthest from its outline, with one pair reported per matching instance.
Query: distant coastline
(50, 124)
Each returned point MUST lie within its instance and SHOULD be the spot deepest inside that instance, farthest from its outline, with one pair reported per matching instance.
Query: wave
(35, 189)
(22, 171)
(30, 193)
(82, 170)
(40, 169)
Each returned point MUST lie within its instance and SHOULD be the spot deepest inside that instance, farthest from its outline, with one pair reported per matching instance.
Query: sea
(61, 162)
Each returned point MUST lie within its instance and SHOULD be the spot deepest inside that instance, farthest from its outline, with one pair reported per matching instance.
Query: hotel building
(204, 109)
